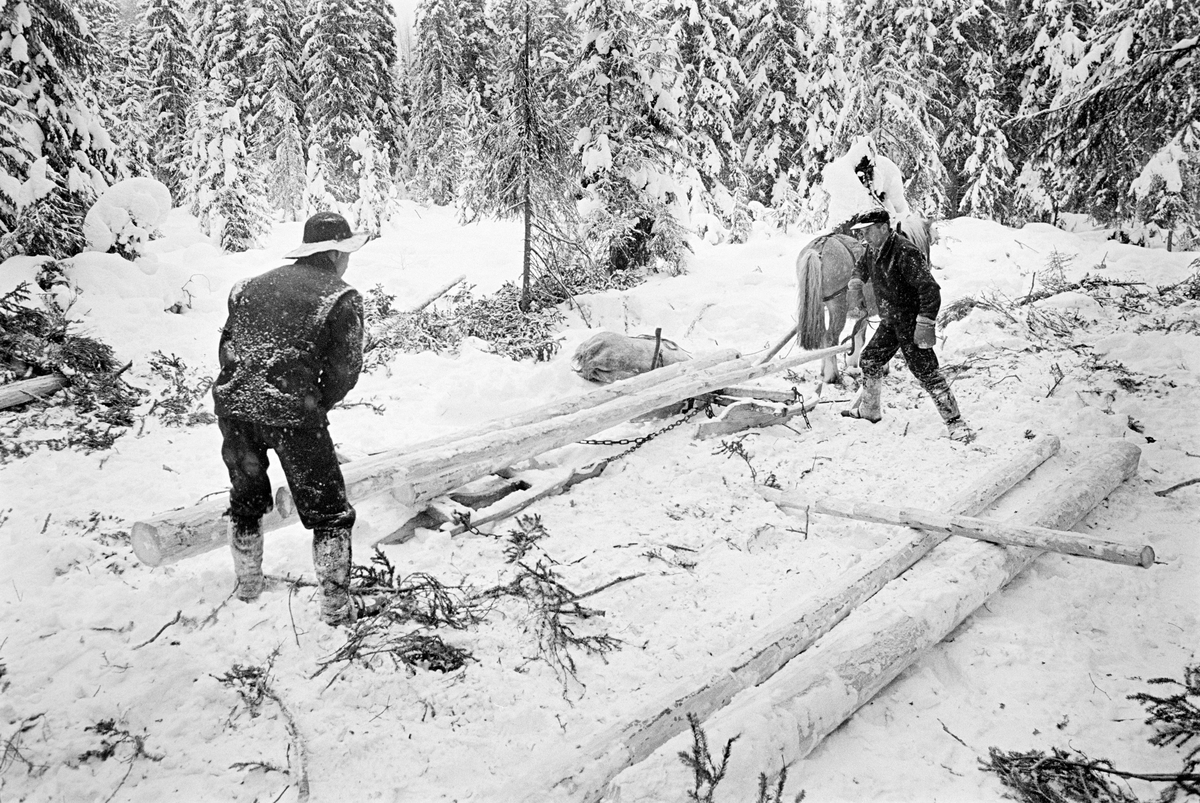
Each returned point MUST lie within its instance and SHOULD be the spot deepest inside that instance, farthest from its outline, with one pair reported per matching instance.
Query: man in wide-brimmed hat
(290, 350)
(909, 299)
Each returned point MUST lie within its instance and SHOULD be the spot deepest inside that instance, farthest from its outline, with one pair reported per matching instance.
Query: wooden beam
(601, 758)
(27, 390)
(1064, 543)
(817, 691)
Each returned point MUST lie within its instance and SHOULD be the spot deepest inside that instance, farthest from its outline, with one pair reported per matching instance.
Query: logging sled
(820, 660)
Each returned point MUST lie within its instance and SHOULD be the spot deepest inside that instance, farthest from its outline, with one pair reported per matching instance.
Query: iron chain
(636, 443)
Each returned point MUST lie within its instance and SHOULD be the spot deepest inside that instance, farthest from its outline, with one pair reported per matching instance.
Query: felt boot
(246, 544)
(869, 406)
(947, 407)
(331, 559)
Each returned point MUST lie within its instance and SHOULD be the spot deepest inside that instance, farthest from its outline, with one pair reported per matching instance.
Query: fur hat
(870, 218)
(328, 231)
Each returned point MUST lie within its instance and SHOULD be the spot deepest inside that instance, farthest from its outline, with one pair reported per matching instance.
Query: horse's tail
(810, 309)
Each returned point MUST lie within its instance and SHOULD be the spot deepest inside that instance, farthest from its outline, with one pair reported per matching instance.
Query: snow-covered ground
(1047, 662)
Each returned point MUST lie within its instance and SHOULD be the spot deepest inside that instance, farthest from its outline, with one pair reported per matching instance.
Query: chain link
(637, 443)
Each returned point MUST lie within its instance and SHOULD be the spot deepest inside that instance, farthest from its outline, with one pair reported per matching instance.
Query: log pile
(825, 658)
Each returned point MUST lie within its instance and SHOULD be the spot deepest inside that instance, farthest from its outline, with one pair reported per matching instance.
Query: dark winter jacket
(904, 287)
(291, 348)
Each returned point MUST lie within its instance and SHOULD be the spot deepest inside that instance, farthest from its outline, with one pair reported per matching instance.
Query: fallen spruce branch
(1063, 777)
(161, 630)
(253, 685)
(1177, 486)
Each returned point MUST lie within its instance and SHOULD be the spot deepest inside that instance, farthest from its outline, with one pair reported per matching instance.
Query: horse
(823, 271)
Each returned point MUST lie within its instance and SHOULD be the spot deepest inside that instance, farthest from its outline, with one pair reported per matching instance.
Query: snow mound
(847, 194)
(125, 215)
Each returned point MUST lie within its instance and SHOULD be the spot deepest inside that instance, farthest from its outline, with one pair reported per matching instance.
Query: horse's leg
(836, 307)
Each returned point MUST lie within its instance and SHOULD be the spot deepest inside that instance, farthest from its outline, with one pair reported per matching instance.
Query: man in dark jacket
(909, 299)
(290, 350)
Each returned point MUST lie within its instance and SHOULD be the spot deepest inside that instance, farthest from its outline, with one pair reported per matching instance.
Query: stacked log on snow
(417, 474)
(27, 390)
(823, 659)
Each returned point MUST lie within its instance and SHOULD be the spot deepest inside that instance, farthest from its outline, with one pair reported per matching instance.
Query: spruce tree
(987, 174)
(708, 42)
(279, 145)
(437, 81)
(1139, 96)
(825, 90)
(341, 108)
(526, 149)
(1046, 43)
(226, 189)
(975, 148)
(773, 111)
(896, 89)
(61, 168)
(131, 124)
(172, 76)
(629, 100)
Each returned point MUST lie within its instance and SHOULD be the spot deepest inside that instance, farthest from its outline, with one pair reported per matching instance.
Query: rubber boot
(331, 559)
(869, 407)
(246, 544)
(947, 407)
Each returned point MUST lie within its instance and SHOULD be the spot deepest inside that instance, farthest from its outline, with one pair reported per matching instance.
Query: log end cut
(145, 540)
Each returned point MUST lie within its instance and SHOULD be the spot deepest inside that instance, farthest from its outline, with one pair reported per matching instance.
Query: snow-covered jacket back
(291, 347)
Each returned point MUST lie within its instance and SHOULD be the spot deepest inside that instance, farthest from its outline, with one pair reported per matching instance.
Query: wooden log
(604, 756)
(436, 295)
(783, 341)
(1064, 543)
(817, 691)
(27, 390)
(505, 508)
(586, 401)
(749, 413)
(417, 478)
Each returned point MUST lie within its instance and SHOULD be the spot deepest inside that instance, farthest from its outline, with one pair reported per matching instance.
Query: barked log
(585, 401)
(819, 690)
(598, 761)
(416, 478)
(27, 390)
(1064, 543)
(189, 531)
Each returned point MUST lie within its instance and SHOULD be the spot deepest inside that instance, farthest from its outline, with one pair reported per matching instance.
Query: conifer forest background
(612, 127)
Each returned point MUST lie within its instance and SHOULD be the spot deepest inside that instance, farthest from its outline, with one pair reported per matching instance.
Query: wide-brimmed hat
(864, 219)
(328, 231)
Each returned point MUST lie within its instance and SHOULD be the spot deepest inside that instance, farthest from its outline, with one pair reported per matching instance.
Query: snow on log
(27, 390)
(817, 691)
(436, 295)
(415, 477)
(994, 532)
(185, 532)
(595, 763)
